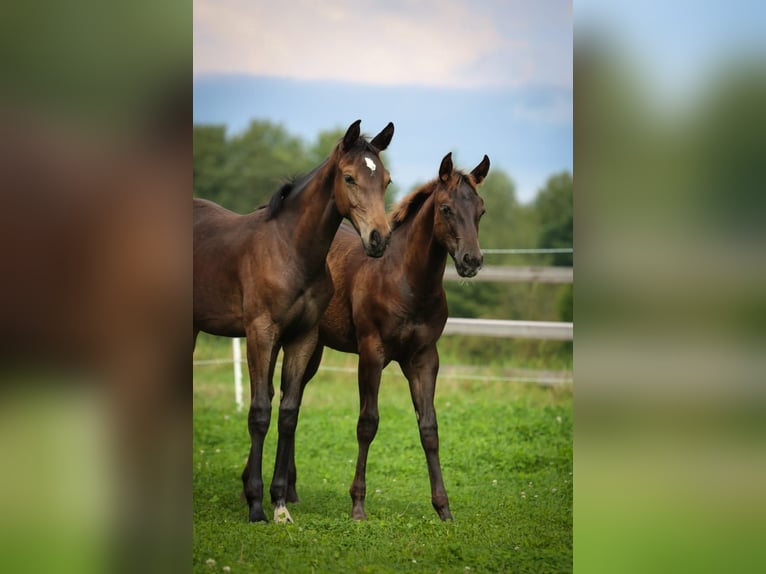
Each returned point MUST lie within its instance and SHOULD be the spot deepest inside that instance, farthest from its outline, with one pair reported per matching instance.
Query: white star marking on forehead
(370, 164)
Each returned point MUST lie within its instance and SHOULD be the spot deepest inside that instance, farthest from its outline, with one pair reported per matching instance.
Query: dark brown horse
(264, 276)
(394, 308)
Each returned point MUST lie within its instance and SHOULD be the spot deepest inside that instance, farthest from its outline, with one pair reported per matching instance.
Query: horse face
(458, 209)
(360, 186)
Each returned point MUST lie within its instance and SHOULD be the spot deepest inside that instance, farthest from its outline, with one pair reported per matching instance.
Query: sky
(469, 77)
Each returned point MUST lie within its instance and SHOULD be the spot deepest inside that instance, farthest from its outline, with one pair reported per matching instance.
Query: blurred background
(670, 286)
(95, 107)
(95, 297)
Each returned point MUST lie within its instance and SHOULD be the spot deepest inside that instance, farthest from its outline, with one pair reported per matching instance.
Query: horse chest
(408, 334)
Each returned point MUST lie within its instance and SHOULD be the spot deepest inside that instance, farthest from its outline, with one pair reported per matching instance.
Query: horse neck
(317, 217)
(425, 258)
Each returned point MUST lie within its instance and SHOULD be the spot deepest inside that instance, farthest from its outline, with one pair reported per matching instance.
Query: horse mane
(412, 202)
(277, 200)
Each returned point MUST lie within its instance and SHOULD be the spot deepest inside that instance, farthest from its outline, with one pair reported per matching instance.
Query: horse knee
(367, 428)
(258, 419)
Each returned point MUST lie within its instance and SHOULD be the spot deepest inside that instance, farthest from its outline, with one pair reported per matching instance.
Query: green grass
(506, 453)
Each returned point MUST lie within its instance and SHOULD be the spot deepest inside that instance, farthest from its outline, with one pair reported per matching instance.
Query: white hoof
(282, 516)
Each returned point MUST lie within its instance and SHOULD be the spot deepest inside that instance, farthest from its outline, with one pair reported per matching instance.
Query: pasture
(506, 453)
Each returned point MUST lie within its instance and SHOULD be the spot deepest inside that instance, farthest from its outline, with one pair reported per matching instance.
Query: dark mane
(277, 200)
(365, 145)
(412, 202)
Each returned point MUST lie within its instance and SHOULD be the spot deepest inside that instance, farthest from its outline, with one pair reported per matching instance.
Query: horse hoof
(445, 514)
(282, 515)
(258, 516)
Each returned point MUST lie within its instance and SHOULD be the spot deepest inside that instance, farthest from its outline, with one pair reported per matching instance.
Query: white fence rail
(506, 328)
(514, 274)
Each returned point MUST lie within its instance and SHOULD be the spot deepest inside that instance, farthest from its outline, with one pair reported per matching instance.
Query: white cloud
(432, 42)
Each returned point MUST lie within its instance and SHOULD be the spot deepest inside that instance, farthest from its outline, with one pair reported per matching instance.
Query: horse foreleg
(292, 474)
(261, 355)
(421, 371)
(297, 354)
(370, 369)
(272, 364)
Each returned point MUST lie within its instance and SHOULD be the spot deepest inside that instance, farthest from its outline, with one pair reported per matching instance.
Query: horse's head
(360, 184)
(457, 211)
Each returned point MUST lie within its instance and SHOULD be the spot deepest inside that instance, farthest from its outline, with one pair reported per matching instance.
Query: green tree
(209, 155)
(258, 161)
(553, 206)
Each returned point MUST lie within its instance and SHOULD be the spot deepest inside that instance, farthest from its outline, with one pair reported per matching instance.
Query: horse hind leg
(292, 475)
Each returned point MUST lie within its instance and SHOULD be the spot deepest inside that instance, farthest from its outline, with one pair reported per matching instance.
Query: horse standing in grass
(264, 276)
(394, 308)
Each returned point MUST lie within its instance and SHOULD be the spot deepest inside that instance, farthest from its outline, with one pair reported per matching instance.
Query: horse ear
(382, 140)
(352, 134)
(445, 169)
(481, 170)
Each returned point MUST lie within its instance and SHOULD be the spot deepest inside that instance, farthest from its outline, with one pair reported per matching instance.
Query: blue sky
(470, 77)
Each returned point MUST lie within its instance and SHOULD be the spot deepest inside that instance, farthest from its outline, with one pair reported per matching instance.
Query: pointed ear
(481, 170)
(445, 169)
(352, 134)
(382, 140)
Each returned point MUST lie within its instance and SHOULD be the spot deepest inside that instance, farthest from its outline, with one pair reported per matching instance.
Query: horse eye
(349, 179)
(446, 210)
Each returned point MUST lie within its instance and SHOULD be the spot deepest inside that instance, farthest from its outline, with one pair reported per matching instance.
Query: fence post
(237, 352)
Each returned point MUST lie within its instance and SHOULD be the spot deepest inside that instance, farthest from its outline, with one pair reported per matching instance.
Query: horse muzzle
(468, 265)
(376, 244)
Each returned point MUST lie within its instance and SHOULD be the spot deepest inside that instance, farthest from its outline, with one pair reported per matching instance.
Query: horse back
(221, 238)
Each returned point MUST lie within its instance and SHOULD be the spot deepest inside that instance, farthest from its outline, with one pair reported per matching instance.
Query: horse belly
(336, 329)
(217, 306)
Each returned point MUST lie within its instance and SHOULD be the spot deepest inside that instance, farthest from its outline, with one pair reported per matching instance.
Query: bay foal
(394, 308)
(264, 276)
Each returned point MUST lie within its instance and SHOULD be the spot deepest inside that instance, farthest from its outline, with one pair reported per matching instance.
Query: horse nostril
(375, 238)
(472, 261)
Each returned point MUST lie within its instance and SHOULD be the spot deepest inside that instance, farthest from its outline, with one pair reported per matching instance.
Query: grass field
(506, 452)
